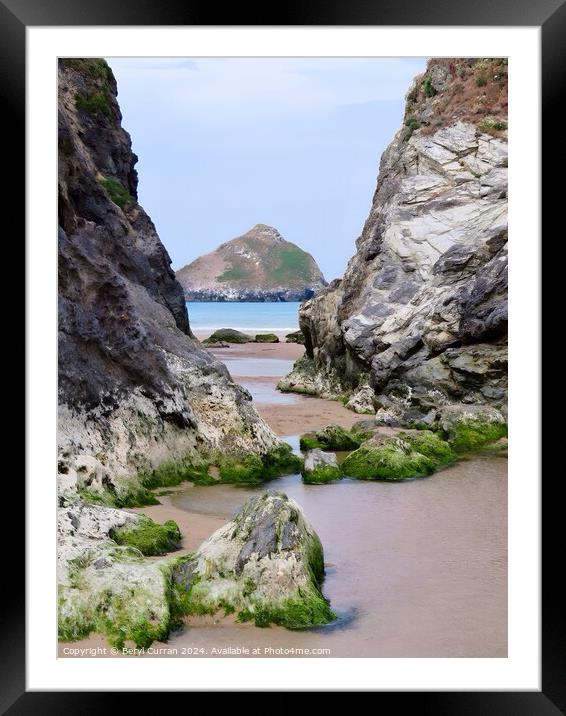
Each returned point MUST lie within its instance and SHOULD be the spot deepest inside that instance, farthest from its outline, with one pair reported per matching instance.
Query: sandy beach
(431, 553)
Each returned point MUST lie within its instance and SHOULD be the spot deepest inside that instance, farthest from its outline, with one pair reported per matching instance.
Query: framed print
(276, 318)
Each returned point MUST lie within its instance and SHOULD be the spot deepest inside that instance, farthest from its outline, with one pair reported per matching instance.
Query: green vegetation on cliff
(260, 261)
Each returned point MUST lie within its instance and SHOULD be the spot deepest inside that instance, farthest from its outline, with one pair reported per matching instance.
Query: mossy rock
(403, 457)
(295, 337)
(266, 338)
(333, 437)
(471, 435)
(320, 467)
(237, 570)
(281, 461)
(255, 469)
(113, 591)
(174, 472)
(210, 469)
(228, 335)
(471, 427)
(148, 536)
(431, 445)
(321, 475)
(293, 614)
(248, 469)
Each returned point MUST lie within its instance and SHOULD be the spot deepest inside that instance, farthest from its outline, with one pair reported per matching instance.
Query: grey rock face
(266, 564)
(318, 458)
(423, 302)
(135, 388)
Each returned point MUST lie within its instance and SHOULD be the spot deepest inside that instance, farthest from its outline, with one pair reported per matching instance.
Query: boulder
(471, 427)
(228, 335)
(305, 378)
(332, 437)
(109, 588)
(404, 456)
(266, 338)
(295, 337)
(266, 565)
(320, 467)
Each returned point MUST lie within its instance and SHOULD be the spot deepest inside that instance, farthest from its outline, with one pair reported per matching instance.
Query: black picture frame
(550, 15)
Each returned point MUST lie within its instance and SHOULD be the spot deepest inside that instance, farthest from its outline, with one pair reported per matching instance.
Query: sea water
(252, 317)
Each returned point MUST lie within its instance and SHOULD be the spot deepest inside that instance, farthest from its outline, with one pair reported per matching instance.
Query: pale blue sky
(224, 144)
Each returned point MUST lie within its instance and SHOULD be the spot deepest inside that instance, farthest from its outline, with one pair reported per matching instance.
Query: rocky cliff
(420, 316)
(258, 266)
(135, 388)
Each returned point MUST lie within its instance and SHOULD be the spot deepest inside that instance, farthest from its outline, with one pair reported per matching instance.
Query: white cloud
(210, 89)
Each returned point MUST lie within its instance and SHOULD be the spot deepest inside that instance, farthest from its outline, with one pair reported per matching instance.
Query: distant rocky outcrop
(135, 388)
(258, 266)
(419, 319)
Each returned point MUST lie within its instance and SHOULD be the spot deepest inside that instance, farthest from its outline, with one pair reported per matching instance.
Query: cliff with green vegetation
(136, 391)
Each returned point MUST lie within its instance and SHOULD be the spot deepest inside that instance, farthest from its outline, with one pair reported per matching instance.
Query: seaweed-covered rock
(266, 565)
(227, 335)
(295, 337)
(471, 427)
(148, 536)
(332, 437)
(108, 588)
(401, 457)
(266, 338)
(320, 467)
(217, 467)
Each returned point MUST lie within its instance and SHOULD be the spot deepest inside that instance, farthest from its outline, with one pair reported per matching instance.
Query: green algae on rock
(266, 565)
(401, 457)
(228, 335)
(215, 468)
(104, 587)
(266, 338)
(148, 536)
(322, 474)
(295, 337)
(472, 427)
(320, 468)
(333, 437)
(115, 593)
(429, 444)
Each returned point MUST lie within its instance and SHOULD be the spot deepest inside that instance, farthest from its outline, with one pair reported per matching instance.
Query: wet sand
(258, 367)
(416, 569)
